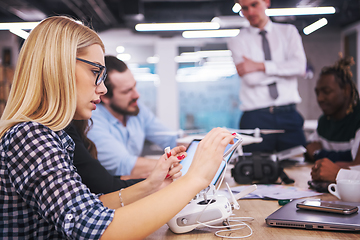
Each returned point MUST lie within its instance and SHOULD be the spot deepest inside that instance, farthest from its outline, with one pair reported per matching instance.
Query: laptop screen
(190, 155)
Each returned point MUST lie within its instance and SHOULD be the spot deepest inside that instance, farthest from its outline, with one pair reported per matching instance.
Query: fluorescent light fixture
(141, 27)
(236, 8)
(208, 53)
(299, 11)
(120, 49)
(315, 26)
(18, 25)
(199, 55)
(211, 33)
(187, 59)
(124, 57)
(19, 32)
(152, 60)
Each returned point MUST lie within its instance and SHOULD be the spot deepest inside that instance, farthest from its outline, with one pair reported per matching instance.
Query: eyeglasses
(100, 75)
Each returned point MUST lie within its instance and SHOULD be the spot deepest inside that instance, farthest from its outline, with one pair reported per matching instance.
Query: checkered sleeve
(41, 171)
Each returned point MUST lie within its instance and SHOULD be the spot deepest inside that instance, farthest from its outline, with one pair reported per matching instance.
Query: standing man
(269, 57)
(121, 125)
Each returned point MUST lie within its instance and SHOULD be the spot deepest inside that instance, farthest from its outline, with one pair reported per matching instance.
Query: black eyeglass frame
(102, 72)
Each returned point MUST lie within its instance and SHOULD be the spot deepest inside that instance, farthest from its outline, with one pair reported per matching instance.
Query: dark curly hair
(343, 76)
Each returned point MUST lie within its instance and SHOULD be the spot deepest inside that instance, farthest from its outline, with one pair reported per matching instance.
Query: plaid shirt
(41, 194)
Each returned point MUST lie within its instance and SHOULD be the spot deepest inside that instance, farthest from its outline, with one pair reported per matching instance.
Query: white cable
(242, 224)
(231, 230)
(233, 219)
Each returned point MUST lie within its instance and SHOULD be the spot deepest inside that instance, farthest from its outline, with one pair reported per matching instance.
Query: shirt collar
(268, 27)
(113, 120)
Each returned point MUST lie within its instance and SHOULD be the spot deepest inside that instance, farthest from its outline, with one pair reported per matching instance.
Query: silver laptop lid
(290, 216)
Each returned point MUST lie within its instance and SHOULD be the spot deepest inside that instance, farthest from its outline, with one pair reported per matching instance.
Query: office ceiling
(106, 14)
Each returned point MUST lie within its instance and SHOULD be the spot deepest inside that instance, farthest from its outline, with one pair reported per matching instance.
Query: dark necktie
(266, 48)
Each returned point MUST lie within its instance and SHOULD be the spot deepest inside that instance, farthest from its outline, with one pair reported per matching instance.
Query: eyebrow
(130, 88)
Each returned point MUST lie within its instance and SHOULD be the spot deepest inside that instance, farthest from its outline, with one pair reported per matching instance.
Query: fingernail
(233, 134)
(179, 157)
(167, 176)
(168, 154)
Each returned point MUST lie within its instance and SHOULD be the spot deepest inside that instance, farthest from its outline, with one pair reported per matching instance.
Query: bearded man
(121, 125)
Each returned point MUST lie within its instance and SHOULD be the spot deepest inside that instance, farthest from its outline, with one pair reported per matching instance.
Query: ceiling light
(211, 33)
(234, 21)
(19, 32)
(176, 26)
(120, 49)
(124, 57)
(236, 8)
(299, 11)
(152, 60)
(208, 53)
(315, 26)
(18, 25)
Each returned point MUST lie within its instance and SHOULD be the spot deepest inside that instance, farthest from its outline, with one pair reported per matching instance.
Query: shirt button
(69, 217)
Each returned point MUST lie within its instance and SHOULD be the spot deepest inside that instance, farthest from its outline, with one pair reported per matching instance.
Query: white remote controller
(193, 214)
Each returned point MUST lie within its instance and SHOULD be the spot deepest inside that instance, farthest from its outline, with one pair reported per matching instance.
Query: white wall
(321, 48)
(9, 40)
(353, 28)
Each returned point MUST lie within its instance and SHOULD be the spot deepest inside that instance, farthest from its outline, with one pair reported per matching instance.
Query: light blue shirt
(119, 146)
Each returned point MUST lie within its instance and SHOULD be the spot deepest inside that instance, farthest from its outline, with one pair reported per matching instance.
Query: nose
(136, 93)
(320, 97)
(101, 89)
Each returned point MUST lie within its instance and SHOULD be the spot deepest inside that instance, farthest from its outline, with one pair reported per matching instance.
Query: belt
(275, 109)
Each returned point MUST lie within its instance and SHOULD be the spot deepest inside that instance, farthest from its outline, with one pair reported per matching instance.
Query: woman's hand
(209, 155)
(167, 169)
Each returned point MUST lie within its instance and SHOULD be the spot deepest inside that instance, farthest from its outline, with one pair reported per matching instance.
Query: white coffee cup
(346, 190)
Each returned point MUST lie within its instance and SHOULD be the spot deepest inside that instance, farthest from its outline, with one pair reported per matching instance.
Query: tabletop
(259, 209)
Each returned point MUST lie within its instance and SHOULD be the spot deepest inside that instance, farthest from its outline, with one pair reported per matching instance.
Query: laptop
(291, 216)
(190, 155)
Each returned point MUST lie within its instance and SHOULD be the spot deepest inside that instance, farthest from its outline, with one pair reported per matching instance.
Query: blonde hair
(44, 84)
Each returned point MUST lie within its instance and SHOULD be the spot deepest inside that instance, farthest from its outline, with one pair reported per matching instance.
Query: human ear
(268, 3)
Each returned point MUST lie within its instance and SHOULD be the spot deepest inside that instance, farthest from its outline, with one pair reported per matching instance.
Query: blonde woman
(58, 78)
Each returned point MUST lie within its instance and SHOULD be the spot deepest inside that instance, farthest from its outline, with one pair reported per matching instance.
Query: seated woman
(58, 78)
(92, 173)
(337, 136)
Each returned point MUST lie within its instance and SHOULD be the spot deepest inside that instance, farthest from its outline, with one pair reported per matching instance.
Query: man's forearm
(143, 167)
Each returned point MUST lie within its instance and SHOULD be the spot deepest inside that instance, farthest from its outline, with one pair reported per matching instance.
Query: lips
(96, 101)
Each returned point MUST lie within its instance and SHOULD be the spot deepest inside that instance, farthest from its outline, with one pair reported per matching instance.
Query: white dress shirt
(288, 61)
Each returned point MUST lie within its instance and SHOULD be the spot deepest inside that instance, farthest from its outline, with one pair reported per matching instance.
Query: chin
(83, 116)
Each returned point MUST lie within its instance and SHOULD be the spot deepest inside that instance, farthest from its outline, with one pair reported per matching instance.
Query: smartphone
(326, 206)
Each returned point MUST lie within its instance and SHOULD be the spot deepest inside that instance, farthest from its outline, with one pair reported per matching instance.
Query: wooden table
(259, 210)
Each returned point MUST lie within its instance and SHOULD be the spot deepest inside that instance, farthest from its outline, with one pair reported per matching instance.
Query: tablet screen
(190, 155)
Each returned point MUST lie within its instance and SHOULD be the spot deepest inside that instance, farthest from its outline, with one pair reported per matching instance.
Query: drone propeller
(256, 132)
